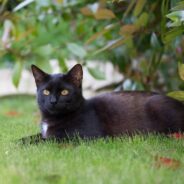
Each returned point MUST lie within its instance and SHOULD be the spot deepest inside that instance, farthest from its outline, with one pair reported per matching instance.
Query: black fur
(111, 114)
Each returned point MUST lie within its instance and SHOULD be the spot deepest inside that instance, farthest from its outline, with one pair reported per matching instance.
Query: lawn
(152, 159)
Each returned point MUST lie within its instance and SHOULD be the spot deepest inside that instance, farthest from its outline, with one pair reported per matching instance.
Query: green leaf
(164, 10)
(176, 16)
(154, 41)
(45, 50)
(62, 64)
(139, 7)
(22, 5)
(175, 24)
(17, 71)
(129, 8)
(100, 33)
(113, 44)
(179, 6)
(142, 20)
(181, 70)
(172, 34)
(77, 50)
(96, 73)
(178, 95)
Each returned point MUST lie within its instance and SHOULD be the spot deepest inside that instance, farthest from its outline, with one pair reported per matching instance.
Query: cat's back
(122, 112)
(126, 106)
(134, 100)
(126, 98)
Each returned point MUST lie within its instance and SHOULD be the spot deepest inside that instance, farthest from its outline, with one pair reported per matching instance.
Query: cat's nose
(53, 100)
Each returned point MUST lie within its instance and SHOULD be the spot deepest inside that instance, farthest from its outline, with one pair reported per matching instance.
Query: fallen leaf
(167, 162)
(177, 135)
(12, 114)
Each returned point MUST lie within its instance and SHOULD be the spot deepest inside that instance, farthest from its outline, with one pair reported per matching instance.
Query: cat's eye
(64, 92)
(46, 92)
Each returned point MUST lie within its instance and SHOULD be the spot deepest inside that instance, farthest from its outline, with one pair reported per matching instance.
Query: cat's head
(59, 93)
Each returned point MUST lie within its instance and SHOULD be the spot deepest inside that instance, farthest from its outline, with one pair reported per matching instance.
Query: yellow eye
(46, 92)
(64, 92)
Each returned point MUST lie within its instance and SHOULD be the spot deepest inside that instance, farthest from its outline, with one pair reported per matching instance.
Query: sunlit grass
(118, 161)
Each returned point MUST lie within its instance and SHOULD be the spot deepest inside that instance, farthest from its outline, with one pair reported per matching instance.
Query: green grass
(119, 161)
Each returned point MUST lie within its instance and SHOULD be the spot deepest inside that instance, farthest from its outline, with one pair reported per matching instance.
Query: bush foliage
(142, 39)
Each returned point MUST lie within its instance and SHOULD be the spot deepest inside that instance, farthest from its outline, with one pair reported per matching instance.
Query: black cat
(66, 113)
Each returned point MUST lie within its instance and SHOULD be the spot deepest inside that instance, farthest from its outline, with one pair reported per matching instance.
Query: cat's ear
(39, 75)
(75, 75)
